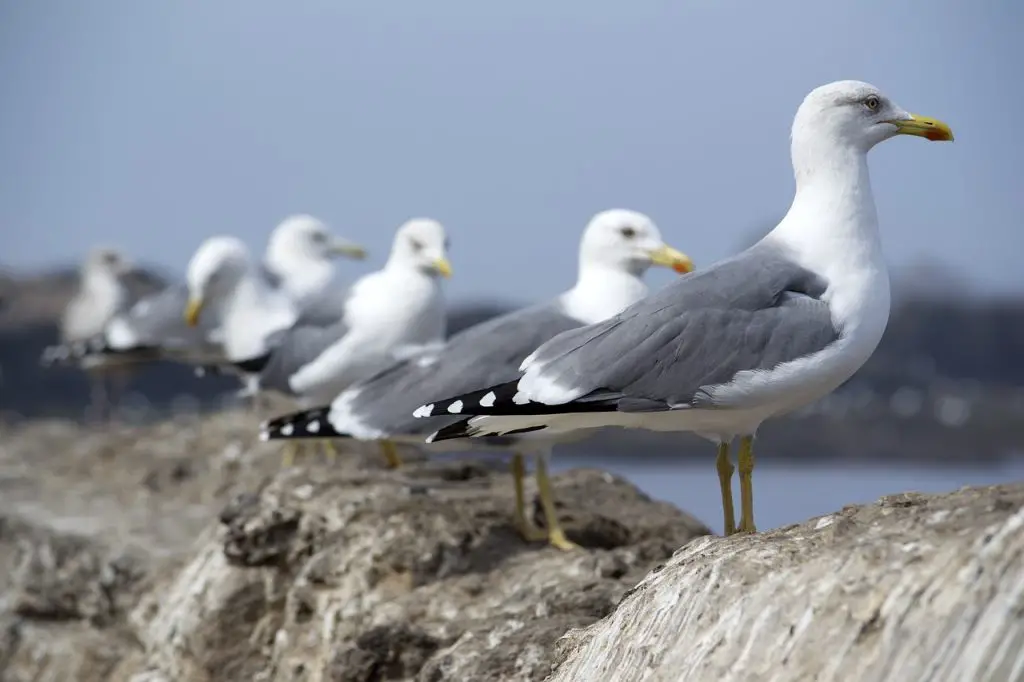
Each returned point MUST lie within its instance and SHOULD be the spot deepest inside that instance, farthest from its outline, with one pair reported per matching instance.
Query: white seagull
(298, 263)
(387, 315)
(752, 337)
(616, 249)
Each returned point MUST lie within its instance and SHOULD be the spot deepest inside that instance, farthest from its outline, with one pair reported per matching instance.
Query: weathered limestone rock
(179, 552)
(343, 572)
(913, 588)
(322, 575)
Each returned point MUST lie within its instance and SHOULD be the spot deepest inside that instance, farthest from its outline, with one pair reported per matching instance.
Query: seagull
(298, 262)
(393, 313)
(755, 336)
(102, 294)
(616, 249)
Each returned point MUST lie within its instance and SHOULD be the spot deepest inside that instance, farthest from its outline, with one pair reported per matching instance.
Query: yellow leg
(291, 449)
(524, 525)
(725, 469)
(390, 452)
(556, 536)
(329, 451)
(746, 467)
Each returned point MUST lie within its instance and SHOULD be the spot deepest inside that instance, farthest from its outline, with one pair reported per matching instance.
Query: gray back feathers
(753, 311)
(484, 354)
(295, 347)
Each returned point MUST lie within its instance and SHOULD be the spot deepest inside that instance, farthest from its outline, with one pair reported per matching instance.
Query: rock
(147, 555)
(179, 552)
(915, 587)
(357, 578)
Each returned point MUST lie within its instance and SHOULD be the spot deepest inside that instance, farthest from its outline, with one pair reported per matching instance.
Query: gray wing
(153, 328)
(295, 347)
(484, 354)
(270, 277)
(159, 320)
(752, 312)
(324, 309)
(140, 283)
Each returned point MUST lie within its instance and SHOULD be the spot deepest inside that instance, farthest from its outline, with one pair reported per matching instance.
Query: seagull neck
(301, 276)
(251, 312)
(103, 283)
(832, 224)
(97, 278)
(401, 266)
(602, 291)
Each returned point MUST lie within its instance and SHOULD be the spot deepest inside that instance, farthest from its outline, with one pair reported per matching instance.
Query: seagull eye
(417, 245)
(628, 232)
(872, 102)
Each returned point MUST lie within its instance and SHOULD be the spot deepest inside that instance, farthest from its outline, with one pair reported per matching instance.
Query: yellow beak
(668, 257)
(348, 249)
(930, 128)
(192, 310)
(443, 267)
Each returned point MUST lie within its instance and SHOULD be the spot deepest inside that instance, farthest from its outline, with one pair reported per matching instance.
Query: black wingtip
(310, 424)
(252, 365)
(485, 401)
(465, 429)
(460, 429)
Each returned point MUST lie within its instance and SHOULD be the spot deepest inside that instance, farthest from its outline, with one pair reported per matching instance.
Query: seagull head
(859, 115)
(304, 237)
(106, 262)
(421, 243)
(630, 241)
(215, 269)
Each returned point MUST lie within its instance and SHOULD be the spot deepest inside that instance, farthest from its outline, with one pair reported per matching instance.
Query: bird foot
(530, 532)
(557, 539)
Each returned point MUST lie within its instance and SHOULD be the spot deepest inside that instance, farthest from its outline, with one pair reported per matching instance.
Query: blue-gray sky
(149, 125)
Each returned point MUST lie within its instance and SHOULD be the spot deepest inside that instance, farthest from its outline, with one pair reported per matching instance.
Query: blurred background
(149, 126)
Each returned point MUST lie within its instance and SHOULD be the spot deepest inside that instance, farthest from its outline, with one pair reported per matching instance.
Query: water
(786, 492)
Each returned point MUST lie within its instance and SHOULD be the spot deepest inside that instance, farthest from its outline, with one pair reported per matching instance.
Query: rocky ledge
(179, 552)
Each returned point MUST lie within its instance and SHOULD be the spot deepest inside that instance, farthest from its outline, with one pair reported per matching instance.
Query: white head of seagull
(852, 116)
(616, 249)
(420, 244)
(105, 262)
(220, 275)
(620, 239)
(301, 251)
(216, 268)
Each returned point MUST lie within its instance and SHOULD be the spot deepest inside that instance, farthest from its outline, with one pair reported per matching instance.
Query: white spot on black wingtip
(455, 407)
(287, 430)
(264, 434)
(488, 399)
(423, 411)
(520, 399)
(430, 438)
(313, 426)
